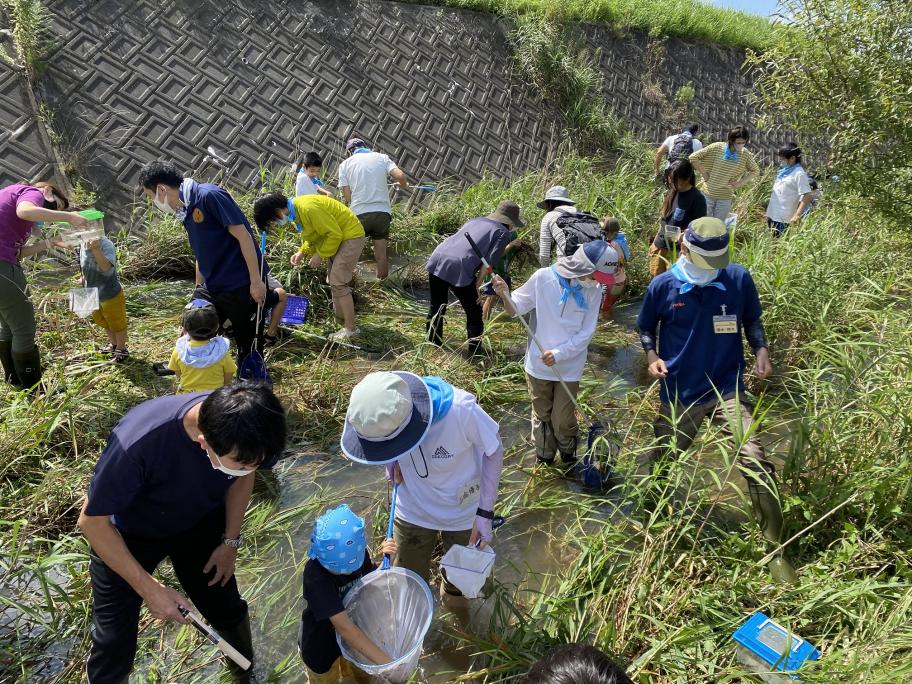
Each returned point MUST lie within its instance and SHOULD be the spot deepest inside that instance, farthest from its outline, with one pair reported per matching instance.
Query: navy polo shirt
(210, 210)
(700, 362)
(152, 479)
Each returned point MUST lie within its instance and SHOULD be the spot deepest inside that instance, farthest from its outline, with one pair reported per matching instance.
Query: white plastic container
(468, 568)
(83, 301)
(73, 237)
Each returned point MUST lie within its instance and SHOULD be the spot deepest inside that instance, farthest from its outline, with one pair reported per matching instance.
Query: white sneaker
(343, 334)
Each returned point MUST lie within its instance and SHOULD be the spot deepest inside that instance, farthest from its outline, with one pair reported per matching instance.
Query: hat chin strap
(395, 433)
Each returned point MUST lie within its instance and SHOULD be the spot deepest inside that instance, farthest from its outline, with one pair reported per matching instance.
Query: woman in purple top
(21, 206)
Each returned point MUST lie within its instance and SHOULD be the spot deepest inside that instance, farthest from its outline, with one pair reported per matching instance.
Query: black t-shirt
(323, 592)
(686, 207)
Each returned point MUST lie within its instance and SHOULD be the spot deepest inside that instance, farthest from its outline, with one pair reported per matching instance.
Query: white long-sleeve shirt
(549, 233)
(564, 328)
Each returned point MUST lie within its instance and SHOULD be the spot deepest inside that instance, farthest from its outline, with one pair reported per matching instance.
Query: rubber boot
(568, 453)
(6, 360)
(768, 514)
(240, 637)
(28, 367)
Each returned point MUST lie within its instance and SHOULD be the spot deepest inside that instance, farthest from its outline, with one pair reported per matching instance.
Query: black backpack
(579, 228)
(682, 147)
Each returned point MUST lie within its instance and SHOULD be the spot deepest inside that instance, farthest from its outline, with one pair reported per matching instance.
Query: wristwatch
(233, 543)
(482, 513)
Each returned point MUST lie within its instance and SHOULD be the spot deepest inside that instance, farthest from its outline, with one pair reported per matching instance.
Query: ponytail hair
(789, 150)
(44, 185)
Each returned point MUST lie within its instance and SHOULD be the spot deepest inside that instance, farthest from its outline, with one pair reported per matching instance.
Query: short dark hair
(692, 128)
(575, 664)
(264, 209)
(247, 417)
(682, 169)
(312, 159)
(158, 172)
(611, 225)
(790, 149)
(738, 132)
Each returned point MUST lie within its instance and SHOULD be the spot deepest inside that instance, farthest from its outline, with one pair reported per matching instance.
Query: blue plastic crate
(295, 310)
(780, 649)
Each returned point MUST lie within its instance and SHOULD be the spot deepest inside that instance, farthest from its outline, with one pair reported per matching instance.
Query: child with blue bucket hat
(338, 558)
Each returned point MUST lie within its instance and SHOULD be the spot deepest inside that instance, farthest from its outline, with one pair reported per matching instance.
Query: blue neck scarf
(730, 154)
(293, 214)
(361, 150)
(687, 285)
(568, 290)
(786, 170)
(441, 396)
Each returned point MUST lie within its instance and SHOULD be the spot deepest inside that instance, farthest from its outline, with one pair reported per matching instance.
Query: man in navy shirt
(174, 482)
(699, 309)
(227, 255)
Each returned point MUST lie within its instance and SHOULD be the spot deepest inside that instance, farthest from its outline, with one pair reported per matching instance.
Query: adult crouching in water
(455, 266)
(334, 233)
(690, 326)
(21, 206)
(174, 482)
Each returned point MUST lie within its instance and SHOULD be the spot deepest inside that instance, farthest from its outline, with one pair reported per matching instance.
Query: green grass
(662, 592)
(686, 19)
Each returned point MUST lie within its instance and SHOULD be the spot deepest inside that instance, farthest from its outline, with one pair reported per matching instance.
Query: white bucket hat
(556, 193)
(388, 416)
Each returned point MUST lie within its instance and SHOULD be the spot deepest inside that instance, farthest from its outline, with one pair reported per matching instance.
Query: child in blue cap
(338, 558)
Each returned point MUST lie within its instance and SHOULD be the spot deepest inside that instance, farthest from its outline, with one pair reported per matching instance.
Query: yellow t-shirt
(325, 222)
(201, 379)
(719, 171)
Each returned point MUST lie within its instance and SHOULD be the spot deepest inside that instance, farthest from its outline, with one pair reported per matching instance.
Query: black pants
(115, 606)
(468, 297)
(238, 307)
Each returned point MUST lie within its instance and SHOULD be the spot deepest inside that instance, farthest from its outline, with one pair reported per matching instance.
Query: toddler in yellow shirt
(200, 359)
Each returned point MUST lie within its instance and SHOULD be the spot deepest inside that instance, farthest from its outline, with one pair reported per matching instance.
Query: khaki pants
(554, 425)
(658, 260)
(417, 545)
(342, 672)
(340, 270)
(732, 414)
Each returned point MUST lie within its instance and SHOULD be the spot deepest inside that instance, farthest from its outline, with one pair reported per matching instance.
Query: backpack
(578, 228)
(682, 147)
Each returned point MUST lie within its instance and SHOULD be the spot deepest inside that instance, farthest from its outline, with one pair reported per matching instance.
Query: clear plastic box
(93, 231)
(771, 651)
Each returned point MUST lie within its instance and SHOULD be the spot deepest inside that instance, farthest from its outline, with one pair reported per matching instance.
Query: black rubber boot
(27, 366)
(240, 637)
(768, 514)
(6, 360)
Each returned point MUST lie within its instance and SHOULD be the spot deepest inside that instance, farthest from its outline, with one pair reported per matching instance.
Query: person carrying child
(307, 176)
(611, 228)
(445, 453)
(98, 263)
(200, 359)
(565, 298)
(338, 558)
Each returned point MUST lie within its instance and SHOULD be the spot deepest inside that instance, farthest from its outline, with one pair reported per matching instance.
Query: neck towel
(441, 396)
(691, 276)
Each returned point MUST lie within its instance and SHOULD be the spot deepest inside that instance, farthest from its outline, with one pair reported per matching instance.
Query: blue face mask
(281, 221)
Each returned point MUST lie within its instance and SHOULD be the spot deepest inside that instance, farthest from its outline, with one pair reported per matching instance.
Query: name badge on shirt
(470, 489)
(725, 325)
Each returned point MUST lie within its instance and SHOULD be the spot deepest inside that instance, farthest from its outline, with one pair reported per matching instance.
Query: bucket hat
(707, 241)
(508, 212)
(388, 415)
(556, 193)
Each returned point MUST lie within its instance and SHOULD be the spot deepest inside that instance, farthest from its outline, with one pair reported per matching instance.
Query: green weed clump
(686, 19)
(662, 587)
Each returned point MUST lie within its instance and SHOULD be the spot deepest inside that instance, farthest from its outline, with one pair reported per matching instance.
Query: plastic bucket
(394, 609)
(468, 568)
(83, 301)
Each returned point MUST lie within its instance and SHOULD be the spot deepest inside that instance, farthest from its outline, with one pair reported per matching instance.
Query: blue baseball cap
(338, 540)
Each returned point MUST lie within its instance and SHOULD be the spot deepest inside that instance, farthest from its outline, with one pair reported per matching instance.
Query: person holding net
(338, 558)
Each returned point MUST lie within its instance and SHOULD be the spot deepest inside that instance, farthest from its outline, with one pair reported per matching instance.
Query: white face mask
(589, 282)
(696, 275)
(162, 205)
(226, 469)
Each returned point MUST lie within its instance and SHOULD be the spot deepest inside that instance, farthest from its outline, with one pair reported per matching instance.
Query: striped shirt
(719, 172)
